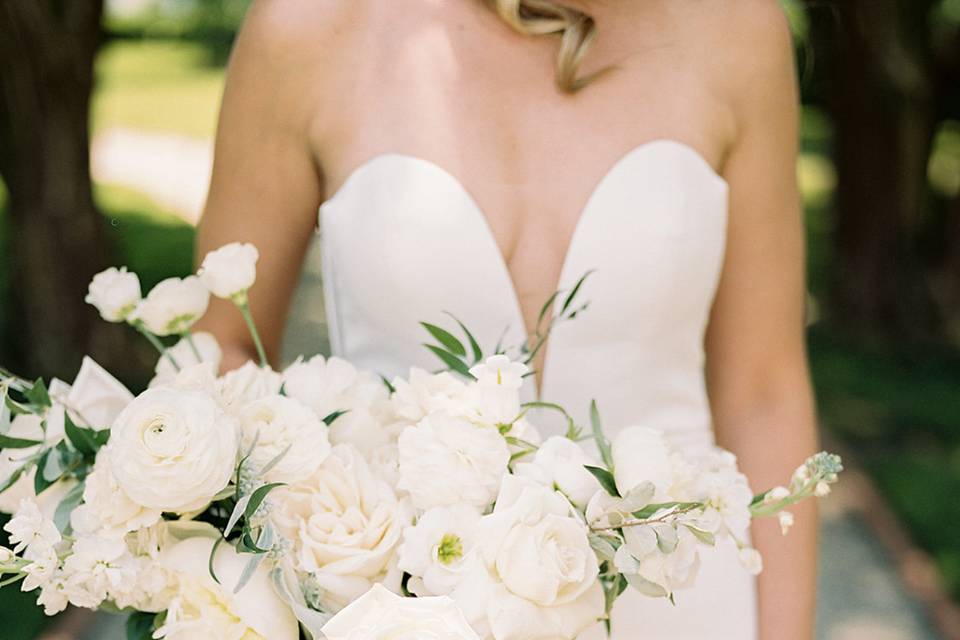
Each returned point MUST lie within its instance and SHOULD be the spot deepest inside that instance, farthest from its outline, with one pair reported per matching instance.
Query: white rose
(230, 270)
(446, 460)
(641, 454)
(172, 306)
(423, 393)
(205, 609)
(106, 508)
(344, 524)
(282, 426)
(250, 382)
(330, 385)
(382, 615)
(543, 560)
(115, 293)
(560, 462)
(96, 398)
(185, 355)
(173, 450)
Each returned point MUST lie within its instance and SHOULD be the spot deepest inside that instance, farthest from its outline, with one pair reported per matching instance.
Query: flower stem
(245, 310)
(193, 346)
(156, 344)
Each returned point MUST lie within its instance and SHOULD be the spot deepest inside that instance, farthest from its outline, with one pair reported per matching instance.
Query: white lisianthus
(344, 524)
(282, 426)
(172, 306)
(541, 556)
(559, 462)
(250, 382)
(447, 460)
(641, 454)
(173, 450)
(204, 609)
(230, 270)
(381, 615)
(185, 356)
(423, 393)
(106, 508)
(496, 395)
(96, 398)
(115, 293)
(500, 371)
(30, 529)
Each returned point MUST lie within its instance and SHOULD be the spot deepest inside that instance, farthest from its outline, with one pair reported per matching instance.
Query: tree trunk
(47, 50)
(880, 97)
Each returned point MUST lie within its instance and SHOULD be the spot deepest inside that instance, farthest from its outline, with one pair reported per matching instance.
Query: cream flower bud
(230, 270)
(173, 306)
(115, 293)
(776, 494)
(751, 560)
(786, 521)
(5, 555)
(822, 490)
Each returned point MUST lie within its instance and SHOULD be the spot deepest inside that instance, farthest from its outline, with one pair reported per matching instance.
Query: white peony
(185, 356)
(641, 454)
(115, 293)
(446, 460)
(330, 385)
(204, 609)
(250, 382)
(230, 270)
(107, 509)
(541, 556)
(96, 398)
(281, 426)
(173, 450)
(423, 393)
(381, 615)
(344, 524)
(559, 462)
(172, 306)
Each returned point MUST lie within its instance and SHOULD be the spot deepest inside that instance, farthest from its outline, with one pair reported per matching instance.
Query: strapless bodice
(403, 242)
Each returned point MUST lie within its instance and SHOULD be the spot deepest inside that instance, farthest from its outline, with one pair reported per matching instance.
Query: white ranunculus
(541, 556)
(446, 460)
(115, 293)
(282, 426)
(641, 454)
(329, 385)
(96, 398)
(382, 615)
(205, 609)
(173, 450)
(250, 382)
(107, 510)
(423, 393)
(230, 270)
(172, 306)
(344, 524)
(185, 356)
(559, 462)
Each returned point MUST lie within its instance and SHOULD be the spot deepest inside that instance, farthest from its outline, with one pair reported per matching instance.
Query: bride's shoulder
(745, 35)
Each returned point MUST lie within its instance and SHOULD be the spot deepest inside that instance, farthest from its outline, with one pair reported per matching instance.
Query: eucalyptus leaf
(52, 468)
(605, 478)
(61, 517)
(602, 547)
(238, 511)
(14, 477)
(667, 538)
(312, 621)
(275, 461)
(646, 587)
(638, 497)
(603, 445)
(447, 339)
(248, 570)
(257, 498)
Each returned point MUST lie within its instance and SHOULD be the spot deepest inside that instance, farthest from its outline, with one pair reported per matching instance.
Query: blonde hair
(577, 31)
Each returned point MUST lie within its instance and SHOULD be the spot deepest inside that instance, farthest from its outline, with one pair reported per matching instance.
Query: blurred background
(107, 113)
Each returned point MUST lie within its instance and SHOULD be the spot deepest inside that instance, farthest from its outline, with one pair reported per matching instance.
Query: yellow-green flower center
(450, 548)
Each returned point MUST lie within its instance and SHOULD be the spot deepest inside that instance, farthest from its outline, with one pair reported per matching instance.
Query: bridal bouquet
(326, 501)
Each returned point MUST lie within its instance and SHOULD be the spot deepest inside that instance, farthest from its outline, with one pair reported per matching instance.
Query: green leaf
(40, 483)
(546, 307)
(602, 443)
(605, 478)
(248, 570)
(652, 509)
(257, 497)
(646, 587)
(213, 555)
(474, 345)
(71, 501)
(140, 626)
(6, 442)
(4, 410)
(573, 292)
(86, 441)
(52, 468)
(330, 419)
(446, 338)
(453, 362)
(389, 385)
(705, 537)
(37, 394)
(13, 477)
(573, 431)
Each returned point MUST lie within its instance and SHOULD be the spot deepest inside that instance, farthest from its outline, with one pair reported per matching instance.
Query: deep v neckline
(581, 222)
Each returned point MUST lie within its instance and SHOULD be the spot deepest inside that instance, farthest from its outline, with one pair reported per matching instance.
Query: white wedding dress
(403, 242)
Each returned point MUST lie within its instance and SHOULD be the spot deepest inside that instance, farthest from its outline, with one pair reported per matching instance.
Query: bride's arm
(756, 355)
(266, 186)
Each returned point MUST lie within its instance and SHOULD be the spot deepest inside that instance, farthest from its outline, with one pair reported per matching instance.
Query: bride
(473, 157)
